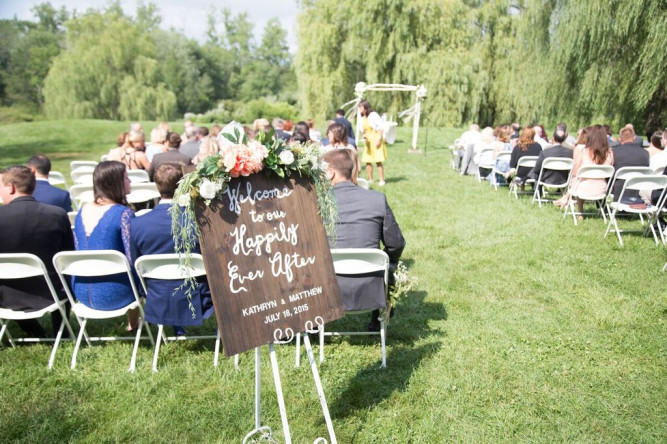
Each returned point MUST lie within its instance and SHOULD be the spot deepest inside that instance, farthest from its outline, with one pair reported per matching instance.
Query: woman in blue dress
(104, 224)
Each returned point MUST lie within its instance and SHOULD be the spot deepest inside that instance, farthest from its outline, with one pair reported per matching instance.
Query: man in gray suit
(553, 177)
(365, 221)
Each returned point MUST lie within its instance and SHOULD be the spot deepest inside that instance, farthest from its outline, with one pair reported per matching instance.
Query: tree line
(106, 64)
(494, 61)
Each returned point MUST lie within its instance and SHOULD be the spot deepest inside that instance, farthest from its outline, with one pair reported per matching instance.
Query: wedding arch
(414, 112)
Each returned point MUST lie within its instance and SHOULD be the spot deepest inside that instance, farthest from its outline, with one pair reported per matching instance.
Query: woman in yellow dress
(375, 150)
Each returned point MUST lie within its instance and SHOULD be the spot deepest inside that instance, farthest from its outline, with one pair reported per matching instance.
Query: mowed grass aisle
(524, 328)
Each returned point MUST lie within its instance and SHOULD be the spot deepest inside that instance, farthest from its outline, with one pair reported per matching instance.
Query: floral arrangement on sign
(243, 158)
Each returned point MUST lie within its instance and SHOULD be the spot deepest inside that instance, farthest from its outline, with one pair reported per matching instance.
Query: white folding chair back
(143, 192)
(71, 215)
(503, 156)
(75, 164)
(57, 178)
(523, 162)
(22, 266)
(589, 172)
(104, 157)
(485, 162)
(553, 164)
(82, 176)
(363, 183)
(81, 194)
(625, 173)
(638, 183)
(99, 263)
(142, 212)
(168, 267)
(138, 176)
(356, 261)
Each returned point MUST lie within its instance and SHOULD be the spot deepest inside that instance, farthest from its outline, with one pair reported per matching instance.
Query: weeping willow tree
(490, 61)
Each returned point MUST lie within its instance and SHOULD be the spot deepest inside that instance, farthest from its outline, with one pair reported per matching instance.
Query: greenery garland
(243, 158)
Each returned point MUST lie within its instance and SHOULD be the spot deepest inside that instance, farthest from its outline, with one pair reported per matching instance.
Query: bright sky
(187, 16)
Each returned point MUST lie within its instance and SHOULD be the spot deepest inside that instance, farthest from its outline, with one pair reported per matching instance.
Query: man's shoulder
(29, 205)
(358, 193)
(558, 151)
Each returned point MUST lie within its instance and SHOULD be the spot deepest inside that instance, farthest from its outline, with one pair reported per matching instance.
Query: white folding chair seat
(553, 164)
(56, 178)
(167, 267)
(638, 183)
(99, 263)
(363, 183)
(356, 261)
(138, 176)
(81, 194)
(503, 156)
(523, 162)
(82, 176)
(22, 266)
(75, 164)
(589, 172)
(143, 192)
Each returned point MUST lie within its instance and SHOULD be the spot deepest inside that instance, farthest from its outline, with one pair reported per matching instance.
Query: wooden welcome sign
(268, 261)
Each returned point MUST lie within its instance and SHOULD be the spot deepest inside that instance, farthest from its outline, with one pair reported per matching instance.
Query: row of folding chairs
(81, 173)
(165, 266)
(96, 263)
(140, 193)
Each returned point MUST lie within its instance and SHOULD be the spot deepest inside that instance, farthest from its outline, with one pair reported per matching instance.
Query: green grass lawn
(524, 328)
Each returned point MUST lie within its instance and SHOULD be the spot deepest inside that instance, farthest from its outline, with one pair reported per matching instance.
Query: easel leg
(279, 393)
(264, 431)
(320, 391)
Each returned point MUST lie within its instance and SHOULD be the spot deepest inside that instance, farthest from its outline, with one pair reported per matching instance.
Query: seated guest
(541, 137)
(278, 125)
(209, 146)
(313, 133)
(628, 153)
(45, 192)
(364, 221)
(158, 136)
(464, 154)
(554, 177)
(526, 146)
(151, 234)
(657, 153)
(132, 156)
(28, 226)
(104, 224)
(337, 137)
(301, 133)
(483, 151)
(190, 147)
(170, 155)
(501, 145)
(340, 118)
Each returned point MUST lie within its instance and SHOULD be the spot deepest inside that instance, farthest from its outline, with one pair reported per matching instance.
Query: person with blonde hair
(158, 136)
(131, 156)
(209, 146)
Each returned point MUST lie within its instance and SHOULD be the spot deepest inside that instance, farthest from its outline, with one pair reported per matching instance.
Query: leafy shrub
(14, 114)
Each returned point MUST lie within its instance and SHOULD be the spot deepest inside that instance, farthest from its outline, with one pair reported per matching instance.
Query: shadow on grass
(370, 385)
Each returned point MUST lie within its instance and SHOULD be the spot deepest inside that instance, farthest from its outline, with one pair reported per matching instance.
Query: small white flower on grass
(207, 189)
(286, 157)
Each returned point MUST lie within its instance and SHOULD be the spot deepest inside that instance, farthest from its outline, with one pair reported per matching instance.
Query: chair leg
(4, 330)
(383, 334)
(160, 335)
(216, 354)
(137, 338)
(78, 342)
(55, 344)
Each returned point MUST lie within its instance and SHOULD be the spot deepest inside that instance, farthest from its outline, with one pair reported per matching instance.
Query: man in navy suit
(364, 221)
(44, 191)
(28, 226)
(151, 234)
(340, 118)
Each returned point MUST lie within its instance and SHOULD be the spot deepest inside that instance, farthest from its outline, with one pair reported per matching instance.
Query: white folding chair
(71, 215)
(143, 192)
(104, 157)
(81, 194)
(167, 267)
(75, 164)
(637, 183)
(626, 173)
(485, 162)
(138, 176)
(82, 176)
(142, 212)
(523, 162)
(589, 172)
(22, 266)
(356, 261)
(363, 183)
(503, 156)
(99, 263)
(554, 164)
(56, 178)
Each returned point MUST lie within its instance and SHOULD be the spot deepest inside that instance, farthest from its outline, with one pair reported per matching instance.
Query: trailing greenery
(523, 328)
(490, 61)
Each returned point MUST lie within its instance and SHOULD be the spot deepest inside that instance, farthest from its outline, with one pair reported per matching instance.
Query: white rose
(286, 157)
(184, 200)
(207, 189)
